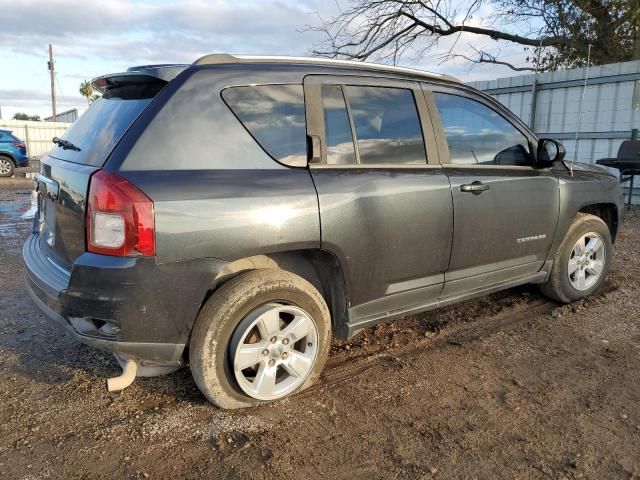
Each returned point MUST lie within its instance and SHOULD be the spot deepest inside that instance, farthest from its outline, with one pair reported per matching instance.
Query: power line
(64, 99)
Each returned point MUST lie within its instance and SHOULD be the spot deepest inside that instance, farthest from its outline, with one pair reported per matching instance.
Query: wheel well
(608, 212)
(319, 267)
(9, 156)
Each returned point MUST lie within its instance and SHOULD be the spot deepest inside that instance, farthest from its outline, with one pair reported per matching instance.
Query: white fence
(37, 135)
(551, 106)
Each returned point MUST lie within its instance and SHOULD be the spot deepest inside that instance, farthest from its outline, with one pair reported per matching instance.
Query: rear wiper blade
(65, 144)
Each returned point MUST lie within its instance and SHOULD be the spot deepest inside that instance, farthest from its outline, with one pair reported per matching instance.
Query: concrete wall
(37, 135)
(611, 107)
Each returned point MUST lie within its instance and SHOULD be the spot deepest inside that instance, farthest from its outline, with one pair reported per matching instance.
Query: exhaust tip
(127, 377)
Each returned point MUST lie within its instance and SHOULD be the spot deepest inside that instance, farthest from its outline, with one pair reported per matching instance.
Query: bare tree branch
(485, 57)
(558, 31)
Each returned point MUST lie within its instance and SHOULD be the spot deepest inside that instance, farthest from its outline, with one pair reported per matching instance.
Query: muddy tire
(271, 317)
(582, 262)
(6, 166)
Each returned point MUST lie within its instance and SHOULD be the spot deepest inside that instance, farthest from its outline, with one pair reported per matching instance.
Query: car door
(385, 211)
(505, 207)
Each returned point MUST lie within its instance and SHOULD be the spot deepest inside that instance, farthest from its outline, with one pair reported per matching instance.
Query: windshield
(98, 130)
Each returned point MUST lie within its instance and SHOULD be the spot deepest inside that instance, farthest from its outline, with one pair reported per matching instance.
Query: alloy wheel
(273, 350)
(587, 261)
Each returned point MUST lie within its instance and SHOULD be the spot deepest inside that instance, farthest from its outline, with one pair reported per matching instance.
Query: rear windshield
(98, 130)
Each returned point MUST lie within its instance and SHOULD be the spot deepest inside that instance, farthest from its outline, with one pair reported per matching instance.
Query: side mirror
(550, 150)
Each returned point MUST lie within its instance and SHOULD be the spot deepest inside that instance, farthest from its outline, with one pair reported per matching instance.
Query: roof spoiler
(138, 75)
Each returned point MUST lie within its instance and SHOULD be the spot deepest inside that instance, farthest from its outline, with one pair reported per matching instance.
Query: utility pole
(53, 83)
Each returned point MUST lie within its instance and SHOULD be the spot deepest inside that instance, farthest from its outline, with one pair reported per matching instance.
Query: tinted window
(98, 130)
(476, 134)
(387, 125)
(274, 115)
(339, 140)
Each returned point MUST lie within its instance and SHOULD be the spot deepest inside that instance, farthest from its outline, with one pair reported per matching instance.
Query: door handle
(315, 150)
(474, 187)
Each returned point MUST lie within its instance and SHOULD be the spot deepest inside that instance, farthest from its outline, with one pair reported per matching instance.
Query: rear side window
(274, 116)
(478, 135)
(340, 149)
(387, 126)
(8, 137)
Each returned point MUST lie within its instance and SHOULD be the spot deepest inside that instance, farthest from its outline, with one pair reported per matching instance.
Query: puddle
(17, 208)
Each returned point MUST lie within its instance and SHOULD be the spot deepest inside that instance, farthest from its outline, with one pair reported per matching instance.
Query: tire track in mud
(341, 367)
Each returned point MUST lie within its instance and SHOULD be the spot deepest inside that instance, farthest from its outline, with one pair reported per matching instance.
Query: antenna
(534, 90)
(584, 89)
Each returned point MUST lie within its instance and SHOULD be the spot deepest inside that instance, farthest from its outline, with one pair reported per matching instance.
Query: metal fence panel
(36, 135)
(609, 110)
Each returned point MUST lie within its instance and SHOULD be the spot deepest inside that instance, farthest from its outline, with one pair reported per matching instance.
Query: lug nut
(272, 362)
(285, 355)
(265, 352)
(285, 341)
(274, 339)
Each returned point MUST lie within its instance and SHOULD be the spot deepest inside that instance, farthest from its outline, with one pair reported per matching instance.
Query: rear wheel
(262, 336)
(582, 261)
(6, 166)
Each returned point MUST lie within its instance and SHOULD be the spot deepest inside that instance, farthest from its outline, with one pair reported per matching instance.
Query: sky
(95, 38)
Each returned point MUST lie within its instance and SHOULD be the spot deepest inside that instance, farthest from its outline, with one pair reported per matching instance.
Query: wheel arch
(10, 156)
(319, 267)
(608, 212)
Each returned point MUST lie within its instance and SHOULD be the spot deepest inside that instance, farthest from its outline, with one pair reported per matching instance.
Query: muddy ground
(507, 386)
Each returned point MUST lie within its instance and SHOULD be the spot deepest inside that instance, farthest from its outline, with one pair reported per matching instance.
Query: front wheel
(262, 336)
(582, 262)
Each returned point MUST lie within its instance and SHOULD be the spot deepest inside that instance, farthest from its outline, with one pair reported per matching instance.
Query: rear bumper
(22, 160)
(129, 306)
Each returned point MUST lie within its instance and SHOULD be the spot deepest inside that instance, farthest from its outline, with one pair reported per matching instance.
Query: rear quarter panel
(216, 192)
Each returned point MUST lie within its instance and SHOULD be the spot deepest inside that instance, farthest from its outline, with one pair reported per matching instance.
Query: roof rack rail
(226, 58)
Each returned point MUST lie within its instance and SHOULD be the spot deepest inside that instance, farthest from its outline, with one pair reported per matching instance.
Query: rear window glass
(340, 149)
(8, 137)
(387, 125)
(274, 116)
(98, 130)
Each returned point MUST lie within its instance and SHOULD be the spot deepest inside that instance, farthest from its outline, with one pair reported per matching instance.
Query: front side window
(387, 126)
(274, 116)
(478, 135)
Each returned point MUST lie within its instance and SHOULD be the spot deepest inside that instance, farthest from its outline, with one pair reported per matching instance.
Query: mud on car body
(236, 213)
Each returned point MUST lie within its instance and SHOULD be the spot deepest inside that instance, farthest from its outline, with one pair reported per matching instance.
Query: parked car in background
(13, 153)
(305, 198)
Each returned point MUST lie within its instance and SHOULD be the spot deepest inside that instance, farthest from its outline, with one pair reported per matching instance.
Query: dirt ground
(506, 386)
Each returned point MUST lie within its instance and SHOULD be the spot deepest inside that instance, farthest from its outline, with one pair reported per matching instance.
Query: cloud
(95, 38)
(159, 31)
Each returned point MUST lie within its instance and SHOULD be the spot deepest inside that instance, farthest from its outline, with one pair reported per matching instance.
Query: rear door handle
(474, 187)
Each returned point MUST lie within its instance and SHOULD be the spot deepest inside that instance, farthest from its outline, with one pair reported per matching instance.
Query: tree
(24, 116)
(559, 30)
(86, 90)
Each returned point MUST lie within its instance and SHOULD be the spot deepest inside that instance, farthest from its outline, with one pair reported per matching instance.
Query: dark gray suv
(236, 213)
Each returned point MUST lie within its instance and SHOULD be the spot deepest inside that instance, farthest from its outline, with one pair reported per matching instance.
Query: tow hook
(129, 371)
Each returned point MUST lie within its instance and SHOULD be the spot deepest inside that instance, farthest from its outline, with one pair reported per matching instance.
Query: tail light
(19, 144)
(120, 219)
